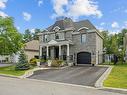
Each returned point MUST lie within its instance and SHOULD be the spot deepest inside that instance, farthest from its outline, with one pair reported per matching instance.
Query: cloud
(125, 11)
(32, 30)
(3, 4)
(3, 14)
(114, 31)
(40, 2)
(102, 24)
(76, 8)
(100, 28)
(125, 25)
(18, 27)
(115, 25)
(27, 16)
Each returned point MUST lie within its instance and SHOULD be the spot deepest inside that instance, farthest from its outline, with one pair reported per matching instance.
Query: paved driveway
(79, 75)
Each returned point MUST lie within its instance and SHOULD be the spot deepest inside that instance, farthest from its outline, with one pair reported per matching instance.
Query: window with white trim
(59, 36)
(46, 38)
(83, 38)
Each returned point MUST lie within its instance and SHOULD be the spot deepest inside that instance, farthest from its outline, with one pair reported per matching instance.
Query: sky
(30, 14)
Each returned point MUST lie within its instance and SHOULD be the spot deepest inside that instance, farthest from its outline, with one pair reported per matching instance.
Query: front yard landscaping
(117, 77)
(10, 70)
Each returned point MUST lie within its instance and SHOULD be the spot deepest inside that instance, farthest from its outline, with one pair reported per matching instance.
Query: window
(52, 36)
(46, 38)
(59, 36)
(83, 38)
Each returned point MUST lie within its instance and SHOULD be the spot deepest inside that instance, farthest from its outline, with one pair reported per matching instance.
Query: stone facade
(78, 38)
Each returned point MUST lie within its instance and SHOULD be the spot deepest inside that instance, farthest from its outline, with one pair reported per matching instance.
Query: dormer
(56, 28)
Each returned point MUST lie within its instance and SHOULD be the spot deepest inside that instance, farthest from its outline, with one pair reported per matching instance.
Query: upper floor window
(52, 36)
(59, 36)
(83, 38)
(46, 38)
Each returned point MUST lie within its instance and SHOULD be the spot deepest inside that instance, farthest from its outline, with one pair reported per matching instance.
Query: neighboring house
(4, 59)
(32, 49)
(9, 58)
(77, 42)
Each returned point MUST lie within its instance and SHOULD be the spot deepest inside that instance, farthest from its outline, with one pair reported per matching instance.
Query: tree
(23, 63)
(114, 43)
(27, 36)
(10, 38)
(35, 36)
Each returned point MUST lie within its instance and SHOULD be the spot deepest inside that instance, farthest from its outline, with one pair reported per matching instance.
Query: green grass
(117, 77)
(10, 70)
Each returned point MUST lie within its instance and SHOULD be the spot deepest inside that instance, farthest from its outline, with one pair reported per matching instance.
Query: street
(13, 86)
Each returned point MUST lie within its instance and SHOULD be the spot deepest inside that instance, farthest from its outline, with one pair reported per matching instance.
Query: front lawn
(117, 77)
(10, 70)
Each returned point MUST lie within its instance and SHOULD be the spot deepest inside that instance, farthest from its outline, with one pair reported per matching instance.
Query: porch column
(47, 52)
(40, 52)
(59, 52)
(68, 54)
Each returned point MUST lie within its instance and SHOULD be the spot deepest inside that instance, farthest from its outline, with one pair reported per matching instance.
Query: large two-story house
(77, 42)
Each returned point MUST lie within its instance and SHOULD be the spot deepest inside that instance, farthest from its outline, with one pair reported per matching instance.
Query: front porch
(56, 50)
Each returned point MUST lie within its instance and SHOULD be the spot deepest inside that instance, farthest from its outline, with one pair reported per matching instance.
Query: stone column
(68, 53)
(40, 52)
(96, 57)
(59, 52)
(47, 54)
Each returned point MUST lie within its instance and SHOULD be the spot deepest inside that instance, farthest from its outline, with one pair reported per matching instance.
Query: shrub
(56, 63)
(33, 61)
(24, 66)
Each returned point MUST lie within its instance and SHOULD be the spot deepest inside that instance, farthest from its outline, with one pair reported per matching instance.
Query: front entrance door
(56, 52)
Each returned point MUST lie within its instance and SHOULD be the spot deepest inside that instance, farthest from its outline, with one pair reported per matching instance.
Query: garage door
(84, 58)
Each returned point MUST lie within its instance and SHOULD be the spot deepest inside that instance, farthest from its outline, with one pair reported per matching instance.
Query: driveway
(79, 75)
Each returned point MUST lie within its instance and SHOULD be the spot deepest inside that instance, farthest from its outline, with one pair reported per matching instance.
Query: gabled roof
(32, 45)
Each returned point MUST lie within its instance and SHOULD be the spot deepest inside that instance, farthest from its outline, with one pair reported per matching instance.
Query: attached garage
(83, 58)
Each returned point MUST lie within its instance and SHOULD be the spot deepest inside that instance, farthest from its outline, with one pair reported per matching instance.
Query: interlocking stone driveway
(79, 75)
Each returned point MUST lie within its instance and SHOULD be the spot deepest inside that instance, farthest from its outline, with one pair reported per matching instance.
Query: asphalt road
(13, 86)
(4, 65)
(79, 75)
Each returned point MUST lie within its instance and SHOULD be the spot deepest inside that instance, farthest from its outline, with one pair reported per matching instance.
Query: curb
(31, 72)
(7, 75)
(111, 88)
(99, 82)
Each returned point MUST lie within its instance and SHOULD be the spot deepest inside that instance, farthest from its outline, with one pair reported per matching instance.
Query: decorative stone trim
(99, 82)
